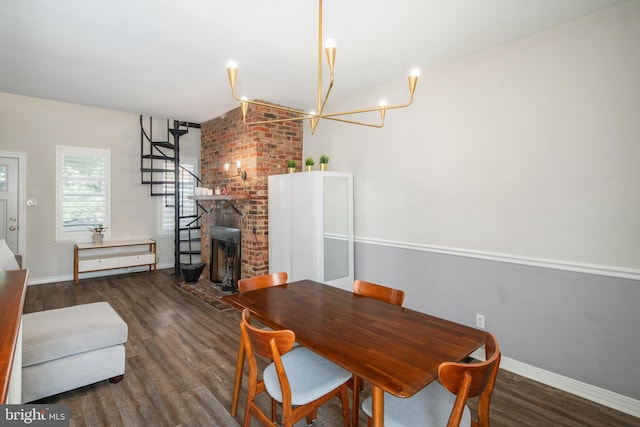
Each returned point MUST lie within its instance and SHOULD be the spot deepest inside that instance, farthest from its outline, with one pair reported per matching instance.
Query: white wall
(529, 150)
(511, 188)
(34, 127)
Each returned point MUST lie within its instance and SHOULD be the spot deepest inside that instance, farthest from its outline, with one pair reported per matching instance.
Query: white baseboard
(68, 277)
(595, 394)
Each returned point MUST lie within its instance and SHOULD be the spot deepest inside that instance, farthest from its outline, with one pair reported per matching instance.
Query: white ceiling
(168, 58)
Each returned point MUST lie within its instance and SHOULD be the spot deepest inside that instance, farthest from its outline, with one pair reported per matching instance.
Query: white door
(9, 202)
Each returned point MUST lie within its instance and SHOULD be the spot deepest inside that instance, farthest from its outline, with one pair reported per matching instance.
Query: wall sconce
(243, 174)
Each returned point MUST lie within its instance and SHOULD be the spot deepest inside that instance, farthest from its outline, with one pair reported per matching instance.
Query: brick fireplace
(262, 150)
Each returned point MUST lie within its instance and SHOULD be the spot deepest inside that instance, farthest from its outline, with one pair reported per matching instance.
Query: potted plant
(324, 160)
(98, 230)
(309, 162)
(291, 166)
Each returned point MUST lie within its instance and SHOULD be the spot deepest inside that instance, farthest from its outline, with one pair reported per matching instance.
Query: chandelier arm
(365, 110)
(326, 97)
(319, 58)
(354, 122)
(290, 119)
(276, 106)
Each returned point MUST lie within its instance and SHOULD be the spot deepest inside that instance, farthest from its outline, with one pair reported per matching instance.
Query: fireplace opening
(225, 262)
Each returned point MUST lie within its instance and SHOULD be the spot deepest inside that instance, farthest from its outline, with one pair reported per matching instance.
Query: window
(83, 191)
(188, 183)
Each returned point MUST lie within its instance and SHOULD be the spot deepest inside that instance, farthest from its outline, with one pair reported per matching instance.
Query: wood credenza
(13, 286)
(113, 255)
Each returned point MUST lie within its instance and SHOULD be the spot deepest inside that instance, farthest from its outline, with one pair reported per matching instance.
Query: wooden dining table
(397, 350)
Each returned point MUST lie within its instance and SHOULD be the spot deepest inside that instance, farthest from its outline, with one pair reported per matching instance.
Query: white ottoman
(71, 347)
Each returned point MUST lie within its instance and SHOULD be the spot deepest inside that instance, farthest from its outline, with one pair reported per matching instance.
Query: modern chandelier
(315, 116)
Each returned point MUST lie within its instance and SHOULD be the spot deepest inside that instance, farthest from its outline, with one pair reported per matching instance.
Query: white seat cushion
(310, 376)
(430, 407)
(52, 334)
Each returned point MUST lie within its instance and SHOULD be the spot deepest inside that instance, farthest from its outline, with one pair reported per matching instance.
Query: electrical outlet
(480, 321)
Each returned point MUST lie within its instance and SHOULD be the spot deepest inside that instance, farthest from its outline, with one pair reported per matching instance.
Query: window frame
(61, 152)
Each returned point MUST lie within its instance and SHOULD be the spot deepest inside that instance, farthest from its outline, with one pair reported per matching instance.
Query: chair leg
(238, 381)
(344, 396)
(356, 384)
(247, 415)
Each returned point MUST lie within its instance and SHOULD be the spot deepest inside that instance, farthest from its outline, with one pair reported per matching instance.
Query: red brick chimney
(263, 150)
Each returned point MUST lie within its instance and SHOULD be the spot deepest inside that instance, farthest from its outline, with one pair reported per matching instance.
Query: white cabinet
(113, 255)
(311, 226)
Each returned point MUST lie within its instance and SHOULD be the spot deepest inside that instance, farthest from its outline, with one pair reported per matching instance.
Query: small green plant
(291, 164)
(309, 161)
(98, 229)
(324, 159)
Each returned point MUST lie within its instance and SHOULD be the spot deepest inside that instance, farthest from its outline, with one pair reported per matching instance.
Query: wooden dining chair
(246, 285)
(259, 282)
(299, 379)
(381, 293)
(444, 403)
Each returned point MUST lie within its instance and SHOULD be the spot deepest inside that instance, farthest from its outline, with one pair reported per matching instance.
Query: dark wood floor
(181, 360)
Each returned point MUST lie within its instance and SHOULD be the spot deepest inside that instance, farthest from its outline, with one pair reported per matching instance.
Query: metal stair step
(158, 182)
(189, 216)
(158, 157)
(156, 170)
(178, 132)
(164, 144)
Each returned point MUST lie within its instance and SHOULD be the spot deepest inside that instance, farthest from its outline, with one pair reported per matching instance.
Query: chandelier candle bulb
(413, 81)
(232, 71)
(245, 107)
(330, 51)
(383, 109)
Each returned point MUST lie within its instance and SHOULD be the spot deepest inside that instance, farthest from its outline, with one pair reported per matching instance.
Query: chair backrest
(268, 344)
(379, 292)
(467, 380)
(259, 282)
(260, 341)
